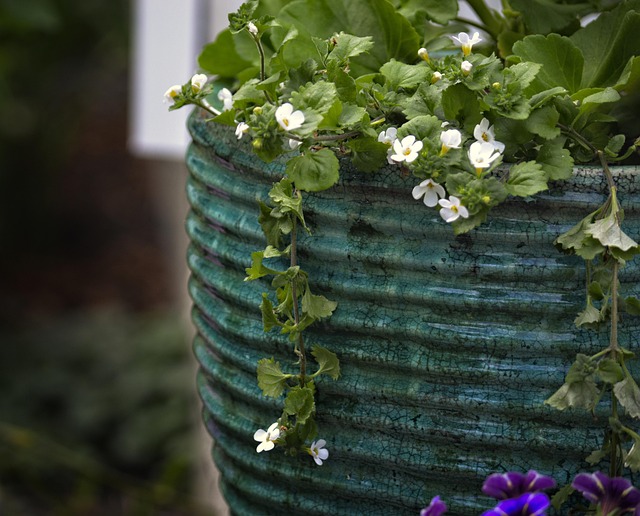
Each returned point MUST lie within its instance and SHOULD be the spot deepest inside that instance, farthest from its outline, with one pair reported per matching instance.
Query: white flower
(423, 54)
(294, 144)
(466, 42)
(251, 27)
(431, 190)
(225, 96)
(389, 136)
(483, 132)
(266, 438)
(451, 139)
(288, 118)
(407, 149)
(241, 129)
(318, 451)
(452, 209)
(198, 81)
(466, 67)
(173, 92)
(482, 154)
(436, 77)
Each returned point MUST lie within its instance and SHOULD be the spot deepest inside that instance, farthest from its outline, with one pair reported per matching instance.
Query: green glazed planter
(448, 345)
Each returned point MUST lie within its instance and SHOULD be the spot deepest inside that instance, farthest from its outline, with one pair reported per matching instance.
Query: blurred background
(98, 409)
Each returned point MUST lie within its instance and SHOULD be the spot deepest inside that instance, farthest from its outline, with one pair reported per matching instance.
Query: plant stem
(614, 470)
(296, 313)
(203, 104)
(491, 24)
(472, 23)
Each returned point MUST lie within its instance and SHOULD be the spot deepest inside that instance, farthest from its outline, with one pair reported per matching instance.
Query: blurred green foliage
(55, 57)
(102, 418)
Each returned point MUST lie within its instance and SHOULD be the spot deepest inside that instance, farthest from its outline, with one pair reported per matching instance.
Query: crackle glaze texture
(448, 345)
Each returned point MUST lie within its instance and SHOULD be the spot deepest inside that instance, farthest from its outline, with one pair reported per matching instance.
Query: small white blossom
(482, 154)
(173, 92)
(483, 132)
(318, 451)
(423, 54)
(431, 190)
(450, 139)
(266, 438)
(198, 81)
(225, 96)
(452, 209)
(407, 149)
(466, 67)
(251, 27)
(389, 136)
(436, 77)
(241, 129)
(288, 118)
(294, 144)
(466, 42)
(444, 124)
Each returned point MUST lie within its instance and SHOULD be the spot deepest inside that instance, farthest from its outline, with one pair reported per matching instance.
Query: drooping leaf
(562, 62)
(632, 459)
(317, 307)
(609, 233)
(314, 171)
(574, 395)
(628, 395)
(271, 379)
(610, 371)
(632, 305)
(258, 269)
(526, 179)
(589, 317)
(269, 319)
(327, 361)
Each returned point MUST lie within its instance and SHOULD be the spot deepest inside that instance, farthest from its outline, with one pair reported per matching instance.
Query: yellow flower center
(485, 137)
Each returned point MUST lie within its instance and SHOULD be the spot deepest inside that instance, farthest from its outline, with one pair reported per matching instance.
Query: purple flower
(436, 508)
(529, 504)
(609, 493)
(514, 484)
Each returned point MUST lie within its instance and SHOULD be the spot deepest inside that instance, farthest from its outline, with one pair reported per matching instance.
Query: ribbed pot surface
(448, 345)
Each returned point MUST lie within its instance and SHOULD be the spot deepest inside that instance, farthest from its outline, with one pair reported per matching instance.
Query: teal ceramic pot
(448, 345)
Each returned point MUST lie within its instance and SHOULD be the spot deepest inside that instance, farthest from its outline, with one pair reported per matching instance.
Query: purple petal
(435, 508)
(529, 504)
(534, 482)
(590, 485)
(503, 486)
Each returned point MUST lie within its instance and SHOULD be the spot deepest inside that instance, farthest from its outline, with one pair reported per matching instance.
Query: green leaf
(576, 240)
(632, 305)
(269, 319)
(270, 225)
(556, 161)
(271, 379)
(545, 16)
(348, 45)
(595, 290)
(582, 369)
(543, 122)
(562, 62)
(394, 37)
(608, 43)
(401, 75)
(317, 307)
(223, 58)
(574, 395)
(614, 146)
(286, 202)
(526, 179)
(609, 233)
(345, 85)
(596, 456)
(439, 11)
(422, 127)
(610, 371)
(314, 100)
(523, 74)
(423, 102)
(543, 97)
(589, 317)
(628, 395)
(368, 154)
(460, 103)
(257, 269)
(327, 361)
(561, 497)
(314, 171)
(300, 403)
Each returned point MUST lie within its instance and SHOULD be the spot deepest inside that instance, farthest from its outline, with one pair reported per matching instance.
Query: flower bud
(257, 110)
(466, 67)
(424, 55)
(486, 199)
(436, 77)
(251, 27)
(257, 143)
(496, 86)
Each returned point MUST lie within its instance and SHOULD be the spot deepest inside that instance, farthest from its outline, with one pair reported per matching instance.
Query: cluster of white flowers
(197, 83)
(482, 153)
(267, 438)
